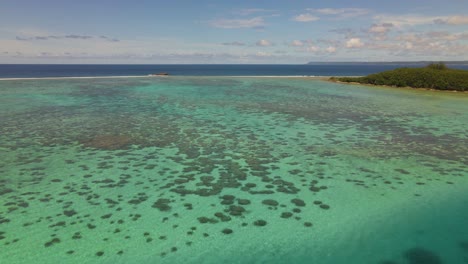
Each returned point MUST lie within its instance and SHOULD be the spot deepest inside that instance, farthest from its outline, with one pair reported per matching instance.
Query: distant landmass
(385, 63)
(433, 76)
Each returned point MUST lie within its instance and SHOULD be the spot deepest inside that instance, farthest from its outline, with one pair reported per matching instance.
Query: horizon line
(311, 62)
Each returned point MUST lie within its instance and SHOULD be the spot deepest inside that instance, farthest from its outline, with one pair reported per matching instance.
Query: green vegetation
(434, 76)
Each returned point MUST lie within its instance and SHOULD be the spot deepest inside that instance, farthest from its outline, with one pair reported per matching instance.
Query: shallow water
(234, 170)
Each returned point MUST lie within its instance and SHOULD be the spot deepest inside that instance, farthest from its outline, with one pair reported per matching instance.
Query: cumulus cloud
(256, 22)
(440, 36)
(452, 20)
(414, 20)
(305, 18)
(312, 48)
(341, 12)
(405, 20)
(408, 45)
(347, 32)
(448, 36)
(264, 43)
(54, 37)
(313, 14)
(380, 28)
(354, 43)
(330, 49)
(281, 52)
(75, 37)
(421, 48)
(296, 43)
(109, 39)
(445, 44)
(233, 43)
(263, 54)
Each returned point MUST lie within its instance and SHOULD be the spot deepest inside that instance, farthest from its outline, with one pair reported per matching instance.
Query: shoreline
(395, 87)
(311, 77)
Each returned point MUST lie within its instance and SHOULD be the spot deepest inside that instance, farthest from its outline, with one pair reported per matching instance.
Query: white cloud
(313, 49)
(408, 45)
(331, 49)
(354, 43)
(328, 11)
(444, 35)
(256, 22)
(263, 43)
(263, 54)
(432, 35)
(414, 20)
(405, 20)
(341, 12)
(453, 20)
(305, 18)
(233, 43)
(70, 37)
(380, 28)
(426, 45)
(174, 57)
(296, 43)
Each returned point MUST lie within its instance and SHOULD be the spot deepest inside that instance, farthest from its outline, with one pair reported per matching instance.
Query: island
(435, 76)
(159, 74)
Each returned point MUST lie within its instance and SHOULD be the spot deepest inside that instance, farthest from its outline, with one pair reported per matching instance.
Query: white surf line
(80, 77)
(151, 76)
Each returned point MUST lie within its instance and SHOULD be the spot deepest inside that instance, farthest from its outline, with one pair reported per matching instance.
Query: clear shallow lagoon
(233, 170)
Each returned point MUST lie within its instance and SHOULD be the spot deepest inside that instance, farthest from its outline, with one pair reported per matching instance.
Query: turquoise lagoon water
(233, 170)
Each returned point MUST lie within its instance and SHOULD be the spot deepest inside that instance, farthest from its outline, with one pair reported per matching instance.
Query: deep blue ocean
(82, 70)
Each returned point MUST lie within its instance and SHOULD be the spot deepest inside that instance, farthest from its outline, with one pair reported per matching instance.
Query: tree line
(434, 76)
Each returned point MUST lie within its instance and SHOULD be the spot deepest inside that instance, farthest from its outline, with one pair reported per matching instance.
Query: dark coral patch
(464, 245)
(236, 210)
(52, 242)
(77, 235)
(298, 202)
(106, 216)
(69, 213)
(314, 189)
(162, 205)
(250, 185)
(222, 217)
(243, 201)
(228, 197)
(422, 256)
(286, 215)
(270, 202)
(260, 223)
(296, 210)
(5, 191)
(227, 231)
(204, 220)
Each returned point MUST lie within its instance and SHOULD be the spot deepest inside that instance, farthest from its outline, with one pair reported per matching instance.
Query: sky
(234, 31)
